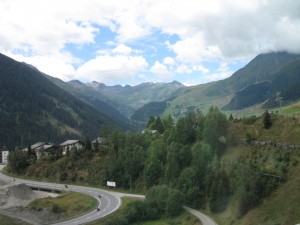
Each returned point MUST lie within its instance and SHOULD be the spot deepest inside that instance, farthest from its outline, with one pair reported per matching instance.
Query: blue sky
(135, 41)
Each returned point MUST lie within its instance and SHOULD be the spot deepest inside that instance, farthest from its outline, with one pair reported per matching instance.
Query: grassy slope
(282, 206)
(195, 98)
(68, 205)
(284, 129)
(11, 221)
(292, 109)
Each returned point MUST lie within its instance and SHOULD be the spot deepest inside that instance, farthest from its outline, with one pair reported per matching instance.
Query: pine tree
(267, 120)
(158, 125)
(151, 121)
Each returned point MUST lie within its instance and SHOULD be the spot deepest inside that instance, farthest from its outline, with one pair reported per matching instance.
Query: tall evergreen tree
(215, 129)
(150, 123)
(168, 122)
(158, 125)
(267, 119)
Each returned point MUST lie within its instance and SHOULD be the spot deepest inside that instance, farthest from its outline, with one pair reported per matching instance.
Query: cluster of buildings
(44, 148)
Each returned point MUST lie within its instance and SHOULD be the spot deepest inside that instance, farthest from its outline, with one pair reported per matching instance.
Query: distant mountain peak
(75, 82)
(177, 83)
(94, 84)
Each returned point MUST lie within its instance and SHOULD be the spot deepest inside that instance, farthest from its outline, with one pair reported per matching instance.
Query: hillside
(281, 88)
(282, 205)
(246, 87)
(259, 69)
(34, 109)
(91, 97)
(145, 112)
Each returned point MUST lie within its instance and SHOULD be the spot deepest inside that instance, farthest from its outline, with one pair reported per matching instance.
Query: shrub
(56, 209)
(63, 176)
(249, 137)
(249, 120)
(174, 204)
(121, 220)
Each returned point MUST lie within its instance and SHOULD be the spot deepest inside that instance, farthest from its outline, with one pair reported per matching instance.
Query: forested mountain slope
(93, 98)
(33, 109)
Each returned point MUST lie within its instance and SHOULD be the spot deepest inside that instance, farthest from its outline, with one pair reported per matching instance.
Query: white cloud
(230, 28)
(169, 61)
(161, 70)
(106, 68)
(200, 68)
(58, 65)
(40, 30)
(122, 49)
(208, 76)
(41, 26)
(183, 69)
(221, 73)
(193, 49)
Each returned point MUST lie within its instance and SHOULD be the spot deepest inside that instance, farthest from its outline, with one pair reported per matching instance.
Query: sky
(134, 41)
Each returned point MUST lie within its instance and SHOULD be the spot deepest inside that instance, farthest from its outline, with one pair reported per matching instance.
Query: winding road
(204, 218)
(108, 202)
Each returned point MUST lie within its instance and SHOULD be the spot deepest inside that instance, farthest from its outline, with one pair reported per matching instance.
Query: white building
(4, 156)
(71, 144)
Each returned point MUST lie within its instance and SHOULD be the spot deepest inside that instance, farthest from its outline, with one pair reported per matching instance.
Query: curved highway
(108, 202)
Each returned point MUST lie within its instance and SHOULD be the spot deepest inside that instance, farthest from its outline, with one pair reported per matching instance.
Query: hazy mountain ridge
(127, 99)
(91, 97)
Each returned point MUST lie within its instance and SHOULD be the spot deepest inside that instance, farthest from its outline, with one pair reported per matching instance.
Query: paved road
(204, 218)
(108, 202)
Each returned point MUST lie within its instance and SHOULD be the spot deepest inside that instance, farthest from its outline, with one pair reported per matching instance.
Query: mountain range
(37, 107)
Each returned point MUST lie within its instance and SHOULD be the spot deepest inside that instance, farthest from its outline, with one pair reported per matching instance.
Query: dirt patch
(15, 197)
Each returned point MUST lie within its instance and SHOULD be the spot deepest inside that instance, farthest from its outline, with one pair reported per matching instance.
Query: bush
(249, 120)
(175, 201)
(56, 209)
(121, 220)
(249, 137)
(63, 176)
(135, 211)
